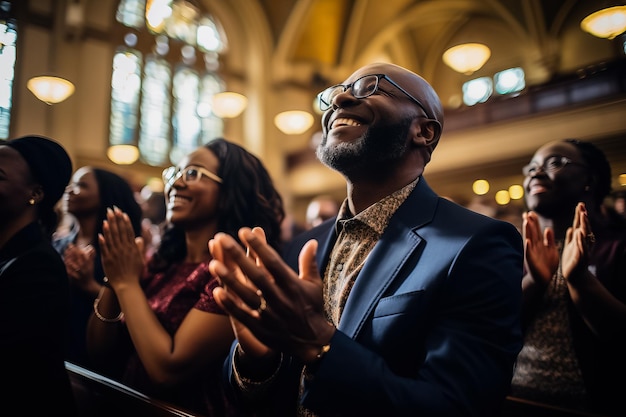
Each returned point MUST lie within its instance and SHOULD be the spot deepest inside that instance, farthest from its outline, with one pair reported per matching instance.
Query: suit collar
(395, 246)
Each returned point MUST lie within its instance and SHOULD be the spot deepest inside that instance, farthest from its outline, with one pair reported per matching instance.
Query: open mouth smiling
(344, 121)
(178, 199)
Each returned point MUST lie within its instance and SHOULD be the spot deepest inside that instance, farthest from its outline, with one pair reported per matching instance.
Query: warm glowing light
(502, 197)
(516, 191)
(622, 179)
(606, 23)
(155, 184)
(228, 104)
(480, 187)
(467, 58)
(294, 122)
(49, 89)
(123, 154)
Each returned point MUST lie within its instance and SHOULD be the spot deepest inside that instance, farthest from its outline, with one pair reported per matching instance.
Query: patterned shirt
(357, 236)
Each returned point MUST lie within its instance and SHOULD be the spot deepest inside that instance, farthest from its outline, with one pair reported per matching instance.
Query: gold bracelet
(96, 302)
(310, 368)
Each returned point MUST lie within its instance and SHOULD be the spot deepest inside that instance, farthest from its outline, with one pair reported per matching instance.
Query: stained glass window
(154, 143)
(164, 78)
(509, 81)
(8, 37)
(477, 90)
(125, 85)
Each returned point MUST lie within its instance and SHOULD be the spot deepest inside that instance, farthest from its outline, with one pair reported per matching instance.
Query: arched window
(8, 38)
(164, 76)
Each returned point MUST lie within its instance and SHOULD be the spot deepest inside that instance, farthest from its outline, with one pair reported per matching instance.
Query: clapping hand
(540, 249)
(121, 252)
(247, 341)
(273, 307)
(578, 240)
(79, 264)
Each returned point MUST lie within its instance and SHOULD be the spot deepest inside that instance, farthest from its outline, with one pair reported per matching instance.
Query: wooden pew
(99, 396)
(518, 407)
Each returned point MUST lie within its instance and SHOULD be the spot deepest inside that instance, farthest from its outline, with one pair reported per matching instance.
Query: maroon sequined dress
(171, 295)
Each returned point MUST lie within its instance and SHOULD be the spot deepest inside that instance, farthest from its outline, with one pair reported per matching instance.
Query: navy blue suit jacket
(431, 326)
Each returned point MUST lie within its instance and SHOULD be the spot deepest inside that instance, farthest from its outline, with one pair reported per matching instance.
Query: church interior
(279, 54)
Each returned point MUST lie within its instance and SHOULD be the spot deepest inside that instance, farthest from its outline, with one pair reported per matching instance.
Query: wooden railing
(99, 396)
(518, 407)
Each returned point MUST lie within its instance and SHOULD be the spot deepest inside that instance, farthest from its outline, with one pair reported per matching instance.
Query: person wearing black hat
(34, 288)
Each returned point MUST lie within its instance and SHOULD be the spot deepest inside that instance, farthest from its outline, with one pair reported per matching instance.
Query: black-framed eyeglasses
(550, 165)
(361, 88)
(189, 174)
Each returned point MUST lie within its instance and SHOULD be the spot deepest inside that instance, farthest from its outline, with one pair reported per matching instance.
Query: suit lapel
(397, 244)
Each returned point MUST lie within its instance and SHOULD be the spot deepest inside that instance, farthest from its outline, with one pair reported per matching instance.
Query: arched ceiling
(332, 37)
(320, 42)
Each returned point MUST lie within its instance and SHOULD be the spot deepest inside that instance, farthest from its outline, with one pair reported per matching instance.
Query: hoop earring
(31, 201)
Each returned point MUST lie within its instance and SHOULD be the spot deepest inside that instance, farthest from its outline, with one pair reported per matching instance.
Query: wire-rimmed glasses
(361, 88)
(189, 174)
(550, 165)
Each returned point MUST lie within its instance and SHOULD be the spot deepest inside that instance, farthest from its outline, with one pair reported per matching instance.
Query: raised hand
(79, 266)
(578, 240)
(280, 309)
(247, 341)
(541, 253)
(121, 252)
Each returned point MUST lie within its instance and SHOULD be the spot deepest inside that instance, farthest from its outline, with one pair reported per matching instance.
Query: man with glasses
(404, 304)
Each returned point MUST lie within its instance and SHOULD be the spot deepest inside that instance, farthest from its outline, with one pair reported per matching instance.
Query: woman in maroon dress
(156, 326)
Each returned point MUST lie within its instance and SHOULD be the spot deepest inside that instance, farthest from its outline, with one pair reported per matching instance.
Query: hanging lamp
(467, 58)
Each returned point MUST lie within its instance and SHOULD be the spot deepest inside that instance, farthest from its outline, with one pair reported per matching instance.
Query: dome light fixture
(50, 89)
(606, 23)
(228, 105)
(467, 58)
(293, 122)
(123, 154)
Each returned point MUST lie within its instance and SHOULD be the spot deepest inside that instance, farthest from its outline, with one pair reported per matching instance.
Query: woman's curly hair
(247, 198)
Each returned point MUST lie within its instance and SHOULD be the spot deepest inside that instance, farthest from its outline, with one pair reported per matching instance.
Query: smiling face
(194, 203)
(83, 193)
(361, 135)
(551, 194)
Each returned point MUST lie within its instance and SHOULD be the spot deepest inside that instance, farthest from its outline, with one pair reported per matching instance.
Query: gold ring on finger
(263, 303)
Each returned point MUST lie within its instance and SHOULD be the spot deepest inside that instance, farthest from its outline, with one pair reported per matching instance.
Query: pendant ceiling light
(293, 122)
(50, 89)
(606, 23)
(228, 104)
(467, 58)
(123, 154)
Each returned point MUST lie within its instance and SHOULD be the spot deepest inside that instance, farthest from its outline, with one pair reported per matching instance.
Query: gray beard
(378, 145)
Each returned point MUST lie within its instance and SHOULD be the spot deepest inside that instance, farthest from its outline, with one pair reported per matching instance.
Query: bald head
(409, 81)
(382, 115)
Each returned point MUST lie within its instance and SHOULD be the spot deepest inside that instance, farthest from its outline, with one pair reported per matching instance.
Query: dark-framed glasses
(189, 174)
(362, 88)
(550, 165)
